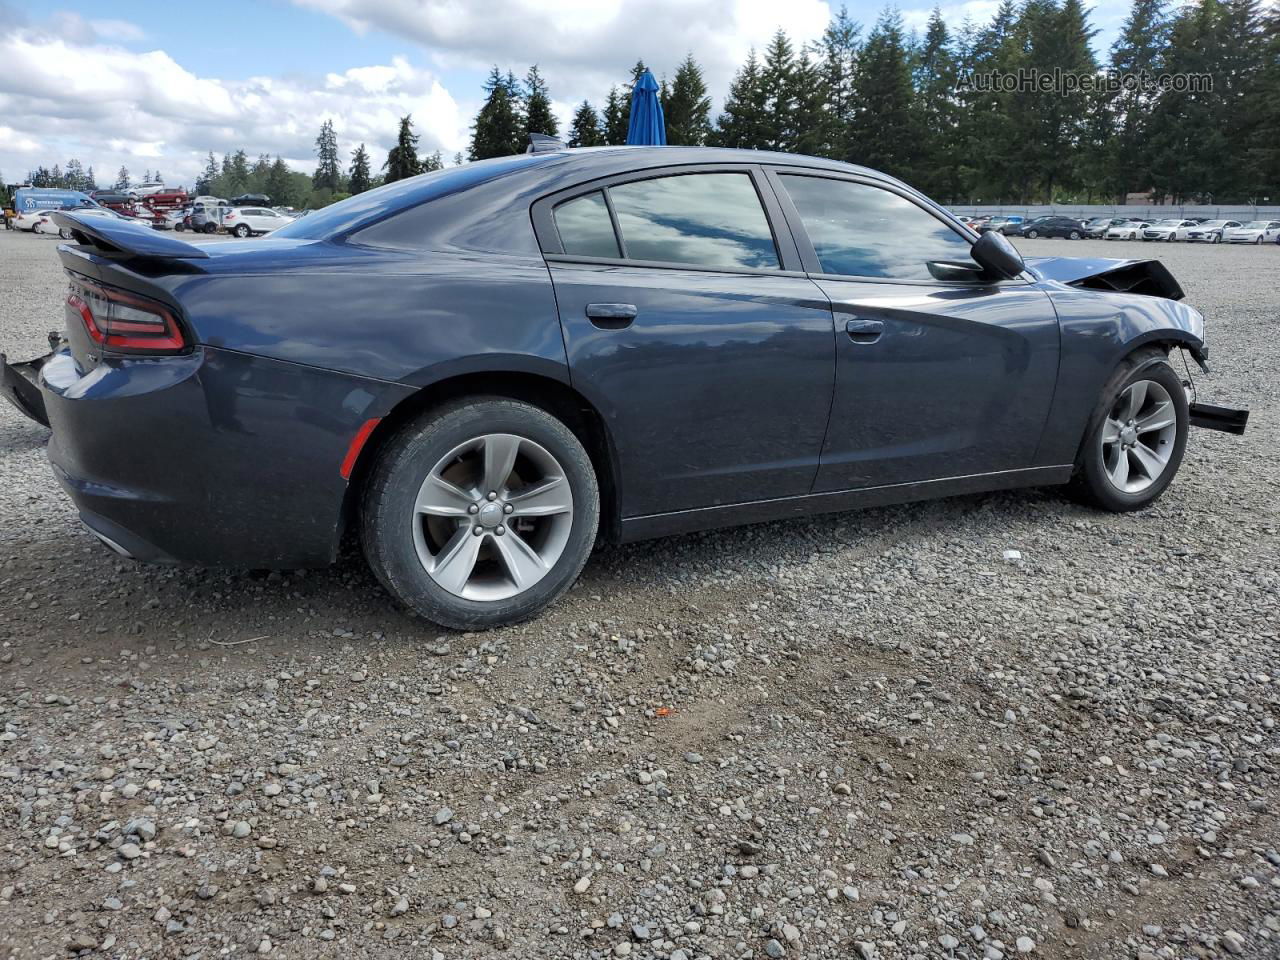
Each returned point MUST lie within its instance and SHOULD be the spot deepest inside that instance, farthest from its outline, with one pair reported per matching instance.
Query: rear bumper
(216, 458)
(19, 382)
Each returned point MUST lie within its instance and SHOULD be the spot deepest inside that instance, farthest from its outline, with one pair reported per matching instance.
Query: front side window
(859, 230)
(700, 219)
(585, 228)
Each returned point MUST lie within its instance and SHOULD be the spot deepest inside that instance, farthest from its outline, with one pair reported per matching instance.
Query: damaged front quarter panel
(1107, 309)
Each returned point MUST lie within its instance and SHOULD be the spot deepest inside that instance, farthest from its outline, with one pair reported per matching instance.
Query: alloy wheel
(492, 517)
(1138, 436)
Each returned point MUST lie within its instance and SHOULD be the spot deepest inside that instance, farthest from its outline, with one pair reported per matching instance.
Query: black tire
(210, 228)
(1090, 483)
(1032, 234)
(64, 233)
(392, 487)
(242, 230)
(1075, 234)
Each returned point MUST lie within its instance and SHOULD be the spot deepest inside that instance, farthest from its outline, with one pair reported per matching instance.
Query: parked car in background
(247, 221)
(46, 222)
(1097, 226)
(251, 200)
(145, 189)
(1001, 223)
(483, 369)
(202, 218)
(113, 200)
(1048, 226)
(1168, 230)
(1255, 231)
(1125, 230)
(28, 219)
(1210, 231)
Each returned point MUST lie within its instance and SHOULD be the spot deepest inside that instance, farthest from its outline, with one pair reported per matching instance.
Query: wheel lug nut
(473, 509)
(501, 530)
(477, 530)
(492, 495)
(507, 508)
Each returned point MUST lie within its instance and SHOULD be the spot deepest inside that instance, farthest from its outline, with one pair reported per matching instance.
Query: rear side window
(585, 227)
(858, 230)
(701, 219)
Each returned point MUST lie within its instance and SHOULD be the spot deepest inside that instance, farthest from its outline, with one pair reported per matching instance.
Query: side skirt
(729, 515)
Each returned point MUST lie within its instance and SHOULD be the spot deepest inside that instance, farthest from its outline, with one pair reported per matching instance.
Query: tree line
(912, 105)
(915, 105)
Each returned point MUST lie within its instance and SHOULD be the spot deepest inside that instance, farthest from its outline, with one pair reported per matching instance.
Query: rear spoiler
(123, 236)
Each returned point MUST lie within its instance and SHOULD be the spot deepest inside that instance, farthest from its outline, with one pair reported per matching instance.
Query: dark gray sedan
(483, 369)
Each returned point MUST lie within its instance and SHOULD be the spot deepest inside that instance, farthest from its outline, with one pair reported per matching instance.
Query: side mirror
(956, 271)
(997, 256)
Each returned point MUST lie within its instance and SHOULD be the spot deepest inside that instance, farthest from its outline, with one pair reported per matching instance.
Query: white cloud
(584, 46)
(118, 107)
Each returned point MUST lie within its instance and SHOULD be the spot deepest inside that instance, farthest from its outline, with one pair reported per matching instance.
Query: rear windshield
(347, 214)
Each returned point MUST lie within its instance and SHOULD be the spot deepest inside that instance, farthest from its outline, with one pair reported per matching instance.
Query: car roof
(494, 216)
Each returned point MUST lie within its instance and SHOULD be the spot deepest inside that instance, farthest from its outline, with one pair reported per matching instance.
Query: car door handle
(864, 331)
(611, 316)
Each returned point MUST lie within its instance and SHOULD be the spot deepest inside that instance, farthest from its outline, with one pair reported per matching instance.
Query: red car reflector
(357, 444)
(123, 321)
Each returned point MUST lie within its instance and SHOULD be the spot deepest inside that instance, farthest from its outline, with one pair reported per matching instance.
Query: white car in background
(1129, 230)
(46, 224)
(145, 189)
(29, 219)
(1255, 231)
(1168, 230)
(1210, 231)
(246, 221)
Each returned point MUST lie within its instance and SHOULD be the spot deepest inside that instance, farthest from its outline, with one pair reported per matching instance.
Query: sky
(157, 85)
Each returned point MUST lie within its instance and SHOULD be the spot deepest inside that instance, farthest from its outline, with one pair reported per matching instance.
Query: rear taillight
(124, 321)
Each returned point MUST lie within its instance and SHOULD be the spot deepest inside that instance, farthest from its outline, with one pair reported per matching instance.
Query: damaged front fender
(1147, 277)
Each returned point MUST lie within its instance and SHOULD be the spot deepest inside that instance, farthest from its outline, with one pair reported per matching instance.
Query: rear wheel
(1032, 234)
(1075, 234)
(480, 514)
(241, 231)
(1136, 437)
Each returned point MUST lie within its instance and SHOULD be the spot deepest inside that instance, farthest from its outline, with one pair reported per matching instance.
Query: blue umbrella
(647, 126)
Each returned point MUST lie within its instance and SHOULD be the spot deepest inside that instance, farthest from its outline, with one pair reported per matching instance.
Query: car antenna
(543, 143)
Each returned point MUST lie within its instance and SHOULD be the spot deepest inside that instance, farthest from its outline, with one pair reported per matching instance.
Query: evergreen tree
(279, 184)
(402, 160)
(432, 162)
(159, 177)
(1127, 156)
(934, 69)
(686, 106)
(458, 159)
(328, 175)
(837, 63)
(205, 182)
(538, 117)
(499, 126)
(90, 181)
(358, 176)
(585, 130)
(74, 175)
(777, 87)
(1263, 143)
(883, 130)
(122, 179)
(742, 122)
(616, 113)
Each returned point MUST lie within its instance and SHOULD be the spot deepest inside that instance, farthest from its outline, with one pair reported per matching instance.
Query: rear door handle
(864, 331)
(611, 316)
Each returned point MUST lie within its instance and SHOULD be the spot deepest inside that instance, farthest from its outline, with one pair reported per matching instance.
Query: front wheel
(1075, 234)
(480, 514)
(1136, 437)
(1032, 234)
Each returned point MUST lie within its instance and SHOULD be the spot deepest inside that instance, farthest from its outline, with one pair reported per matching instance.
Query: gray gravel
(869, 735)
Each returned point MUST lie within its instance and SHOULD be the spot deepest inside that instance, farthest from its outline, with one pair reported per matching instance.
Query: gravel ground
(866, 735)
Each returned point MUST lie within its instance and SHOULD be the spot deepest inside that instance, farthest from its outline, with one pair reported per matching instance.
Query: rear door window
(697, 219)
(585, 228)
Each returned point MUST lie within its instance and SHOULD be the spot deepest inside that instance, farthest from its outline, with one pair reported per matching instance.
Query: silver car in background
(1169, 230)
